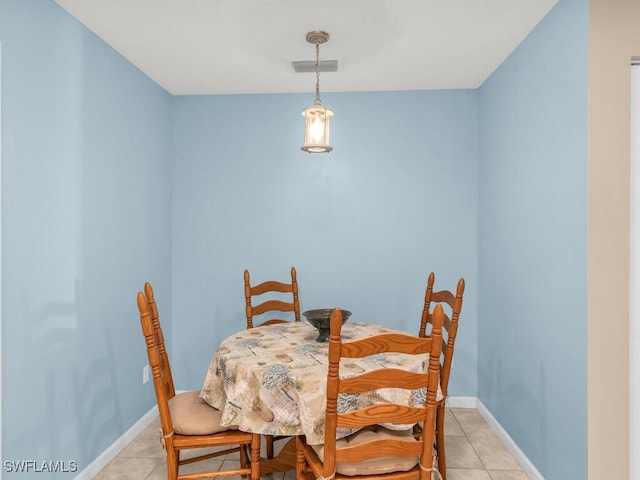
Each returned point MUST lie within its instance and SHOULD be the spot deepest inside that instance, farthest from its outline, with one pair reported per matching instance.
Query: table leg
(283, 461)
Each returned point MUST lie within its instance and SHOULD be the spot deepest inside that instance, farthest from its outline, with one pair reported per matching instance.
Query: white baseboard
(461, 402)
(116, 447)
(513, 448)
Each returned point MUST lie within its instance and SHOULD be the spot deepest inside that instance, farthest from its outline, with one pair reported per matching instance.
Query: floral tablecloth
(272, 379)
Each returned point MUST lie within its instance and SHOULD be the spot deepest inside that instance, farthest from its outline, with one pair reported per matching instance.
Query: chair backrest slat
(380, 413)
(444, 296)
(273, 305)
(402, 343)
(361, 452)
(387, 378)
(271, 286)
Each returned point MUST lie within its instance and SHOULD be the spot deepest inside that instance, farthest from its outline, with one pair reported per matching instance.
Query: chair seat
(191, 415)
(376, 465)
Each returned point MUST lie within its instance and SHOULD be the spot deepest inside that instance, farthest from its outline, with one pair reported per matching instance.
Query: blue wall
(85, 196)
(532, 283)
(363, 225)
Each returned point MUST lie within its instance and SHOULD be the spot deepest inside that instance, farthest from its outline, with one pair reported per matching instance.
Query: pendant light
(316, 128)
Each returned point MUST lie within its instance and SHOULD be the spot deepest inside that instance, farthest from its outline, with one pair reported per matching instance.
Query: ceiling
(198, 47)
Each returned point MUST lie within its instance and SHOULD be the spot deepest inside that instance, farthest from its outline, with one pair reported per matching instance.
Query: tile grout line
(486, 468)
(471, 444)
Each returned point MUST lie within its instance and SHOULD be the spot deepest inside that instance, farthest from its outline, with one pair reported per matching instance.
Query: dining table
(272, 380)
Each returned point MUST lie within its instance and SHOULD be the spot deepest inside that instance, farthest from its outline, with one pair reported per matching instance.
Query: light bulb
(317, 129)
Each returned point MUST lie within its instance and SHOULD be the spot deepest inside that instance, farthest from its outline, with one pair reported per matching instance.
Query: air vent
(309, 66)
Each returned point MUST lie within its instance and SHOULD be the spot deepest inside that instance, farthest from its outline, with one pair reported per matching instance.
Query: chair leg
(269, 442)
(301, 462)
(442, 461)
(173, 457)
(244, 457)
(255, 457)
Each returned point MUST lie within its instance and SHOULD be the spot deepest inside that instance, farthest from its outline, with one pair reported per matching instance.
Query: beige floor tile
(212, 464)
(508, 475)
(467, 474)
(460, 454)
(155, 424)
(493, 453)
(123, 468)
(472, 422)
(451, 426)
(158, 473)
(146, 444)
(231, 463)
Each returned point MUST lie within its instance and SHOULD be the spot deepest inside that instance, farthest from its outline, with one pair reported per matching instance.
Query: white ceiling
(247, 46)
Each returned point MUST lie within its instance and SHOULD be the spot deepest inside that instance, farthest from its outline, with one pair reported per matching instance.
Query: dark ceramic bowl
(321, 318)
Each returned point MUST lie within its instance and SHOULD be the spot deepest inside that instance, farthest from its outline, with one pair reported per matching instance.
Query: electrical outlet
(145, 374)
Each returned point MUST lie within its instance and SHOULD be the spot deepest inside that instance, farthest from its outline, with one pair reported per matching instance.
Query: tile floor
(474, 452)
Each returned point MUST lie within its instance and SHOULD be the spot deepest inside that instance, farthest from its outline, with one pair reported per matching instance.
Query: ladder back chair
(187, 421)
(374, 452)
(267, 306)
(453, 304)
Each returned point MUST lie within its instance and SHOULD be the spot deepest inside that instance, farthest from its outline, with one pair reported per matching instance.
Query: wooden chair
(270, 305)
(267, 307)
(375, 453)
(450, 330)
(188, 422)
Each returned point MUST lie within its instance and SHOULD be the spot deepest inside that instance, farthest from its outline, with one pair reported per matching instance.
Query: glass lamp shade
(316, 129)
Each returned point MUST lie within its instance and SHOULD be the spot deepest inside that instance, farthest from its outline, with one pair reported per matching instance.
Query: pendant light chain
(317, 102)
